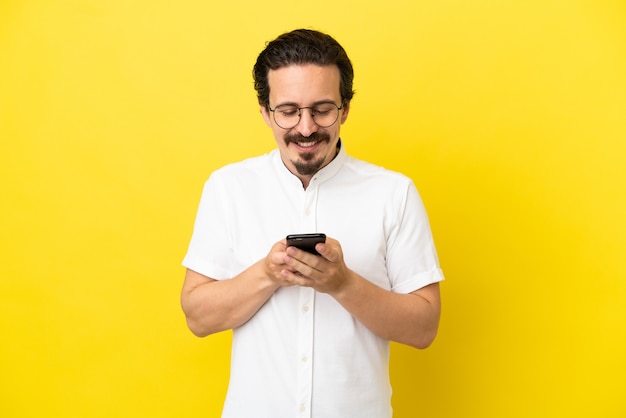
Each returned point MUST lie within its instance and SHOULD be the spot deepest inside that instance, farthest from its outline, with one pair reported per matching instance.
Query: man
(310, 332)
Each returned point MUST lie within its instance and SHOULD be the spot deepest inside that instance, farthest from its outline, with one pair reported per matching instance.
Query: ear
(345, 111)
(266, 115)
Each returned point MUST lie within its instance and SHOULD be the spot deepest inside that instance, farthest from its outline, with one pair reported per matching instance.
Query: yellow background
(509, 116)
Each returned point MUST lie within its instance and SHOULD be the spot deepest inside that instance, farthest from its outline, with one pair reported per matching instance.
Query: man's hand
(326, 273)
(215, 305)
(274, 264)
(411, 319)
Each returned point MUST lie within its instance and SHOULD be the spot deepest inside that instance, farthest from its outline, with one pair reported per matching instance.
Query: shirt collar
(333, 167)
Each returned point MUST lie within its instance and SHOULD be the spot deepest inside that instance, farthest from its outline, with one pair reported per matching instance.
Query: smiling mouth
(306, 144)
(311, 141)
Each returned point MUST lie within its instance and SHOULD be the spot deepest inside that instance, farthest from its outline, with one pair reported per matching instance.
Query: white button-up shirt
(302, 354)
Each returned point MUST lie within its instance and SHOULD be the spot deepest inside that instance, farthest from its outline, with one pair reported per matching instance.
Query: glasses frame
(300, 113)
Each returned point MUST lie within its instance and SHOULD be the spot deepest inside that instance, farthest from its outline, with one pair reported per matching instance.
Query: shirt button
(304, 359)
(302, 408)
(305, 308)
(307, 212)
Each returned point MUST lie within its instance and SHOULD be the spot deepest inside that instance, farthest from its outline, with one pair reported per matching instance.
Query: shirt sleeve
(209, 248)
(412, 261)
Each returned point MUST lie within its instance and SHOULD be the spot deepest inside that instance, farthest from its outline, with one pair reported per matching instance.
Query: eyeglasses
(324, 114)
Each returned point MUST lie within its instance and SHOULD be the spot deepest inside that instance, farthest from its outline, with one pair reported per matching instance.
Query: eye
(287, 110)
(323, 109)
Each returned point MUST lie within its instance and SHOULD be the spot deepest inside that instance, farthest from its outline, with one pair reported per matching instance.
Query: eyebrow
(319, 102)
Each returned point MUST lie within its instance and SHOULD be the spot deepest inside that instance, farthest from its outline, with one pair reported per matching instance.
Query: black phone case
(305, 242)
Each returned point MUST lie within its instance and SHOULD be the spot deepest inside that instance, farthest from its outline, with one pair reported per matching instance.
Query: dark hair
(299, 47)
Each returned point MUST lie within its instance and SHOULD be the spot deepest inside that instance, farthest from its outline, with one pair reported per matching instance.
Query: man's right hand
(274, 264)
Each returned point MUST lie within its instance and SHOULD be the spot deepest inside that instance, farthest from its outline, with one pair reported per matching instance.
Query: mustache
(315, 136)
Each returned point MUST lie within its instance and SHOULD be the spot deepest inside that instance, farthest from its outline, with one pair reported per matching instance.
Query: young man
(310, 332)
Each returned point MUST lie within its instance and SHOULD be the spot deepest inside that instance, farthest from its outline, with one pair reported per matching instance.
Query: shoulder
(258, 166)
(369, 172)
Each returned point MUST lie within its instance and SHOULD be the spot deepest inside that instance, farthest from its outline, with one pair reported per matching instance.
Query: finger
(322, 249)
(303, 262)
(296, 278)
(327, 252)
(277, 258)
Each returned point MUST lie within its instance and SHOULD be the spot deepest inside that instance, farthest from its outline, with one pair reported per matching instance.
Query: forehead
(304, 84)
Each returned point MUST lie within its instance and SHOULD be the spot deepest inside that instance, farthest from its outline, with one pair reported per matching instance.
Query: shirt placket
(306, 315)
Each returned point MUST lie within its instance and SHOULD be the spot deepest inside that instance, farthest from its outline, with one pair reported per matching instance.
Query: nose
(306, 126)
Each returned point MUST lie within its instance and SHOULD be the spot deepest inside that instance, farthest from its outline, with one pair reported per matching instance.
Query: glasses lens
(325, 114)
(288, 116)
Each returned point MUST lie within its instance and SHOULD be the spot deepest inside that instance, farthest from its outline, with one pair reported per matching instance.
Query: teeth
(306, 144)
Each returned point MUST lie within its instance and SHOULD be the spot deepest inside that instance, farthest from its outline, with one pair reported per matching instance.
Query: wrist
(348, 287)
(265, 277)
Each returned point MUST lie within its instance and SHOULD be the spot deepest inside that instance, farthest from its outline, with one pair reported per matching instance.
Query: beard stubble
(307, 164)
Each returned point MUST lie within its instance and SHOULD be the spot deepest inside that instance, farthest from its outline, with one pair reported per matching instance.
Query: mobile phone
(305, 242)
